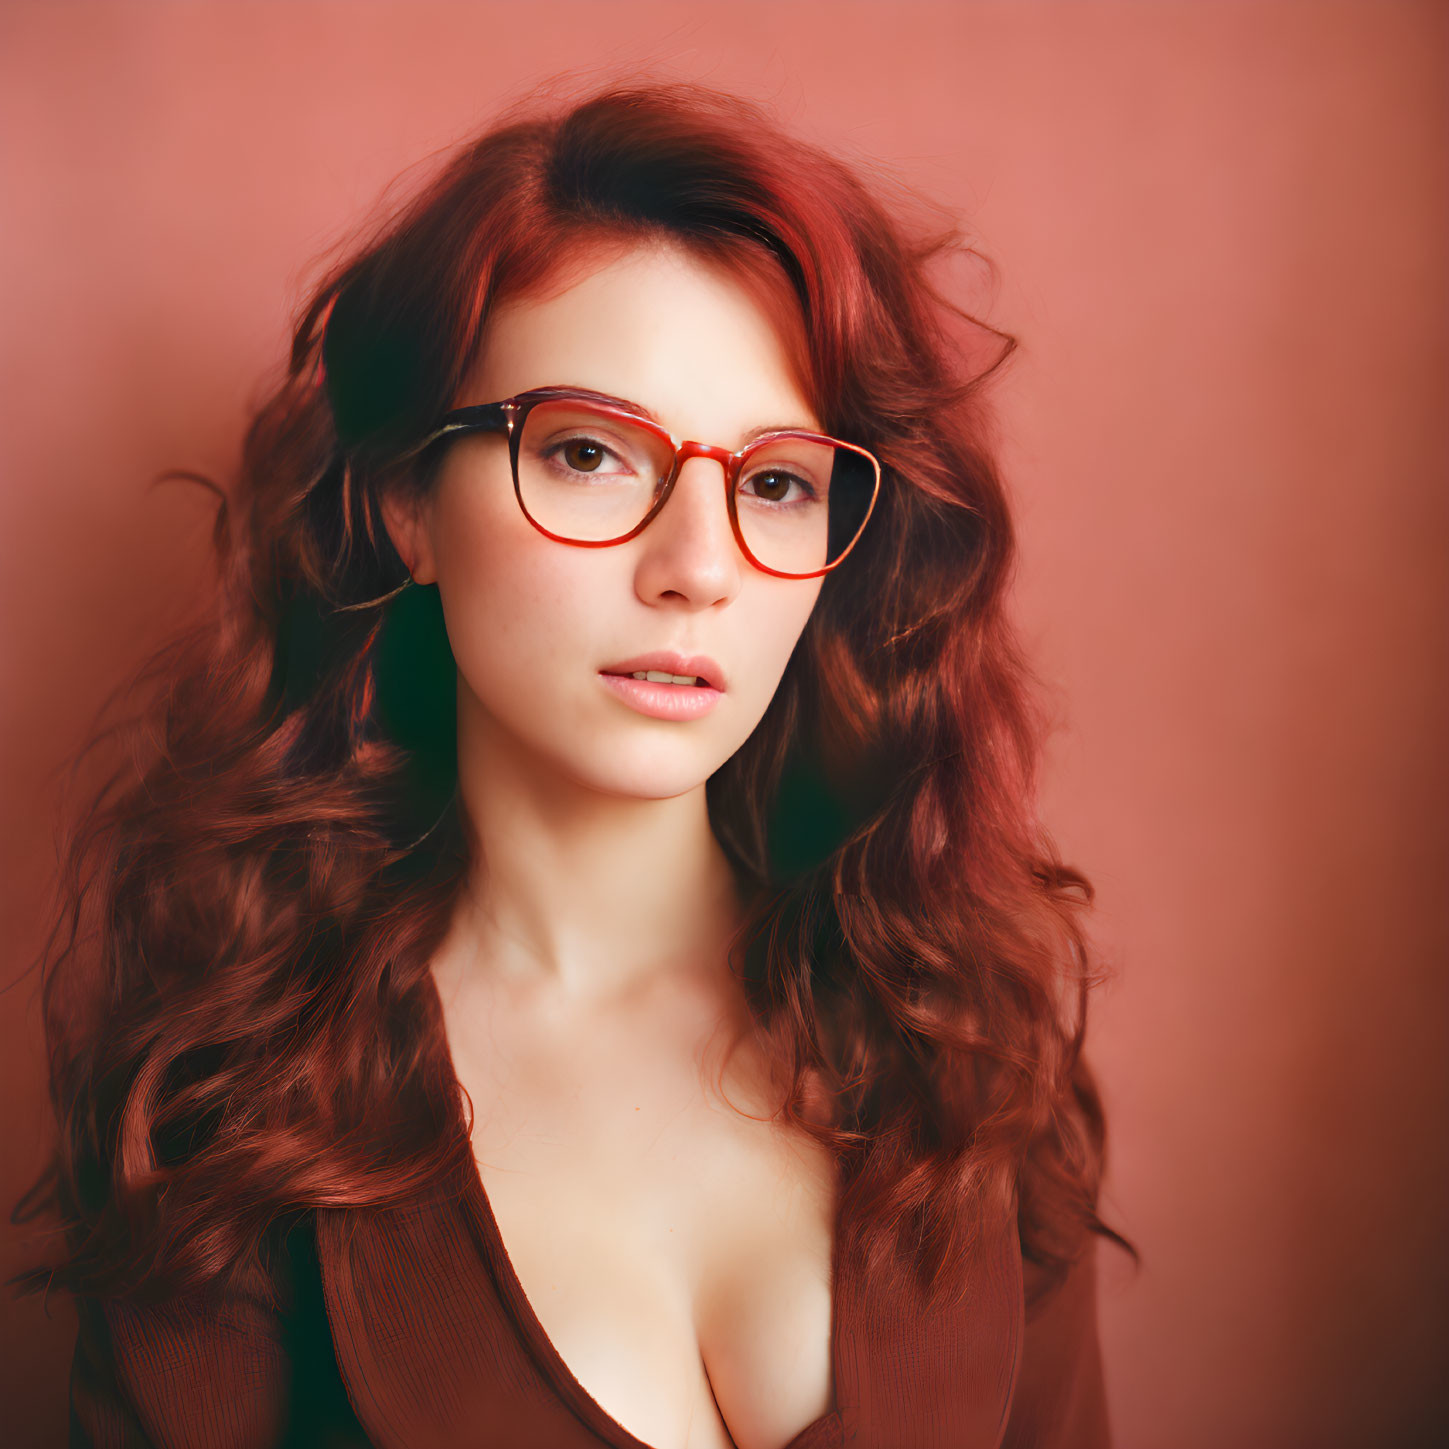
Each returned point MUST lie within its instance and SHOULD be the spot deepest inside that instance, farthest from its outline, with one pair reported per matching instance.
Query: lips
(701, 666)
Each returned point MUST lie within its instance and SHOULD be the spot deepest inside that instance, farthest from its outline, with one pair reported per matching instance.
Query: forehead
(691, 340)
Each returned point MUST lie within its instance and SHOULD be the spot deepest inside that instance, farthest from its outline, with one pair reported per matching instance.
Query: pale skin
(676, 1252)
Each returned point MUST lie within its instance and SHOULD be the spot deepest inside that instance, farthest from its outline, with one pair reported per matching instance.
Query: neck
(579, 894)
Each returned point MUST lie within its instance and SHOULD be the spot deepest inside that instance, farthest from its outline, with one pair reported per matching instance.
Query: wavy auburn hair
(239, 1011)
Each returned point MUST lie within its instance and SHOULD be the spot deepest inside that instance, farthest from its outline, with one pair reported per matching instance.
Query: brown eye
(583, 455)
(771, 485)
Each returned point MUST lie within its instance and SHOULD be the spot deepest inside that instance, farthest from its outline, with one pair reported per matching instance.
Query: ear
(406, 517)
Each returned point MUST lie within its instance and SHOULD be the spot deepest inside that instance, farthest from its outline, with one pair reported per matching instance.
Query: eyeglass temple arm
(485, 417)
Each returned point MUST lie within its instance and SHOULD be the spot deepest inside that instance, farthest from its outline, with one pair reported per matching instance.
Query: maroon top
(407, 1328)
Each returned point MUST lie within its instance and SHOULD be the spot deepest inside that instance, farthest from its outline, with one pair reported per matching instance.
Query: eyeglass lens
(590, 475)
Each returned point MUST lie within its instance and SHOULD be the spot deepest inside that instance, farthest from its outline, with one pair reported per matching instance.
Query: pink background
(1222, 232)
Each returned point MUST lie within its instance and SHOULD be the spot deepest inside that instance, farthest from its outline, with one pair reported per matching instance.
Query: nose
(689, 548)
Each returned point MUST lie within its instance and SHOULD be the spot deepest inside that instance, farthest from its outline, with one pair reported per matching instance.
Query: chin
(646, 774)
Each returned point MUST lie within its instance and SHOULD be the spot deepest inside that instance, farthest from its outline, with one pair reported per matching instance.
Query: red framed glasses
(590, 470)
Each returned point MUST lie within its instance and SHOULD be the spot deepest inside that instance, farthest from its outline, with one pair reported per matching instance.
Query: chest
(674, 1249)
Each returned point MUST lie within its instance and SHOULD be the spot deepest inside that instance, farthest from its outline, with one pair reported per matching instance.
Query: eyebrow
(627, 405)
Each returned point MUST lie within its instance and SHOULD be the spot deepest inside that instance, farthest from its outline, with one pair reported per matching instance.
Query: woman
(577, 965)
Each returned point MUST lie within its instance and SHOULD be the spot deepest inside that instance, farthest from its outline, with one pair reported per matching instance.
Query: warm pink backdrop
(1222, 229)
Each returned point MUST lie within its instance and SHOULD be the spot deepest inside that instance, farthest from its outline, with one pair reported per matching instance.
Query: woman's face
(534, 623)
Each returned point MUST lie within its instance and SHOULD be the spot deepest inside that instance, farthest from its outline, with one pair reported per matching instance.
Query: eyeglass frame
(510, 414)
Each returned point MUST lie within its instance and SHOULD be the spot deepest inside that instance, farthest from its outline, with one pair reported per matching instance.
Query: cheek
(515, 606)
(512, 598)
(767, 624)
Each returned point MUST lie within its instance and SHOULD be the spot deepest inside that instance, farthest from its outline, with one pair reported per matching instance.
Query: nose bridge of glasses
(688, 450)
(685, 453)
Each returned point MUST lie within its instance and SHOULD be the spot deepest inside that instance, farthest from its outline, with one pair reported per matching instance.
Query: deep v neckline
(817, 1434)
(435, 1335)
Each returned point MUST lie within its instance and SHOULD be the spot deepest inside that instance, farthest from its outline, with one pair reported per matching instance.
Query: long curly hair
(238, 1006)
